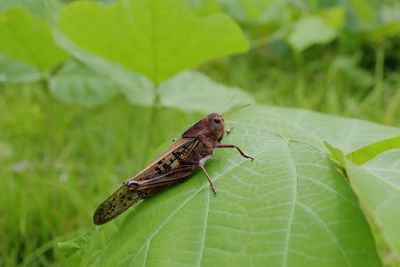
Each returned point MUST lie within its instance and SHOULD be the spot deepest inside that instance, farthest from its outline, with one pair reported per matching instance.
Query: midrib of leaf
(146, 252)
(289, 230)
(207, 209)
(154, 43)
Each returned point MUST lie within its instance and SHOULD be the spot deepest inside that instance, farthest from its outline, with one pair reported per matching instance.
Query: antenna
(229, 112)
(228, 104)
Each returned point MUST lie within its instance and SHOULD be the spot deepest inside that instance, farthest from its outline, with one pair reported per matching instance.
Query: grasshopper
(181, 159)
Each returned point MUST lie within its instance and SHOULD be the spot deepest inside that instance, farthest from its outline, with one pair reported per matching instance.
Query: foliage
(154, 38)
(33, 44)
(75, 83)
(15, 71)
(376, 184)
(310, 31)
(89, 91)
(289, 207)
(191, 91)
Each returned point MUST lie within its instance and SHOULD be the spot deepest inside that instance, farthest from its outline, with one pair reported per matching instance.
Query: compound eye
(217, 121)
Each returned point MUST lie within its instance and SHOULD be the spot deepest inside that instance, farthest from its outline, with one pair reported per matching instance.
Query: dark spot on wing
(166, 167)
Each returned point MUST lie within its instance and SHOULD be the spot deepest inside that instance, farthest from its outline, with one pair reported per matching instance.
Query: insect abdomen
(117, 203)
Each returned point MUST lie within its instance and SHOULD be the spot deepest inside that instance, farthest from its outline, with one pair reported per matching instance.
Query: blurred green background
(61, 153)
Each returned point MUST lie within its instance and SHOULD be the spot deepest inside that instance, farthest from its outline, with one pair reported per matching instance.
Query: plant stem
(266, 40)
(299, 89)
(152, 121)
(379, 71)
(392, 108)
(331, 85)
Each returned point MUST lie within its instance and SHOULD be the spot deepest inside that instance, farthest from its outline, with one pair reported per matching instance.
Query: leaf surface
(77, 83)
(28, 39)
(194, 91)
(289, 207)
(14, 71)
(188, 91)
(138, 89)
(154, 38)
(309, 31)
(314, 128)
(377, 185)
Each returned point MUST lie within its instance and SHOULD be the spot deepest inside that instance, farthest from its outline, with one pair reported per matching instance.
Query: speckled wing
(171, 158)
(125, 197)
(117, 203)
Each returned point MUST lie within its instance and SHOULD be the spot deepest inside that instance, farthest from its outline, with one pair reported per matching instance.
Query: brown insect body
(175, 164)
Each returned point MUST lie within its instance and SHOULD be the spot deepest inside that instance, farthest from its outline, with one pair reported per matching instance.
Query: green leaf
(45, 9)
(27, 38)
(204, 8)
(155, 38)
(13, 71)
(193, 91)
(138, 89)
(377, 185)
(367, 153)
(77, 83)
(189, 91)
(336, 155)
(355, 75)
(288, 207)
(380, 33)
(256, 11)
(334, 17)
(309, 31)
(314, 128)
(363, 10)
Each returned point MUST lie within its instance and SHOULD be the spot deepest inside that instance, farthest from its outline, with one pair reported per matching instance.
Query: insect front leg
(233, 146)
(201, 166)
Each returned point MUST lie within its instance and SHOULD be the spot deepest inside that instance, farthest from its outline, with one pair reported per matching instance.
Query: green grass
(58, 161)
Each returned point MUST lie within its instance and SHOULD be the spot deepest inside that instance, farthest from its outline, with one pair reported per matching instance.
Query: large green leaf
(193, 91)
(13, 71)
(27, 38)
(189, 91)
(314, 128)
(77, 83)
(309, 31)
(289, 207)
(138, 89)
(154, 38)
(377, 185)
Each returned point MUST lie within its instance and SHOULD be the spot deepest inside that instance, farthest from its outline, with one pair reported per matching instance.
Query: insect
(186, 154)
